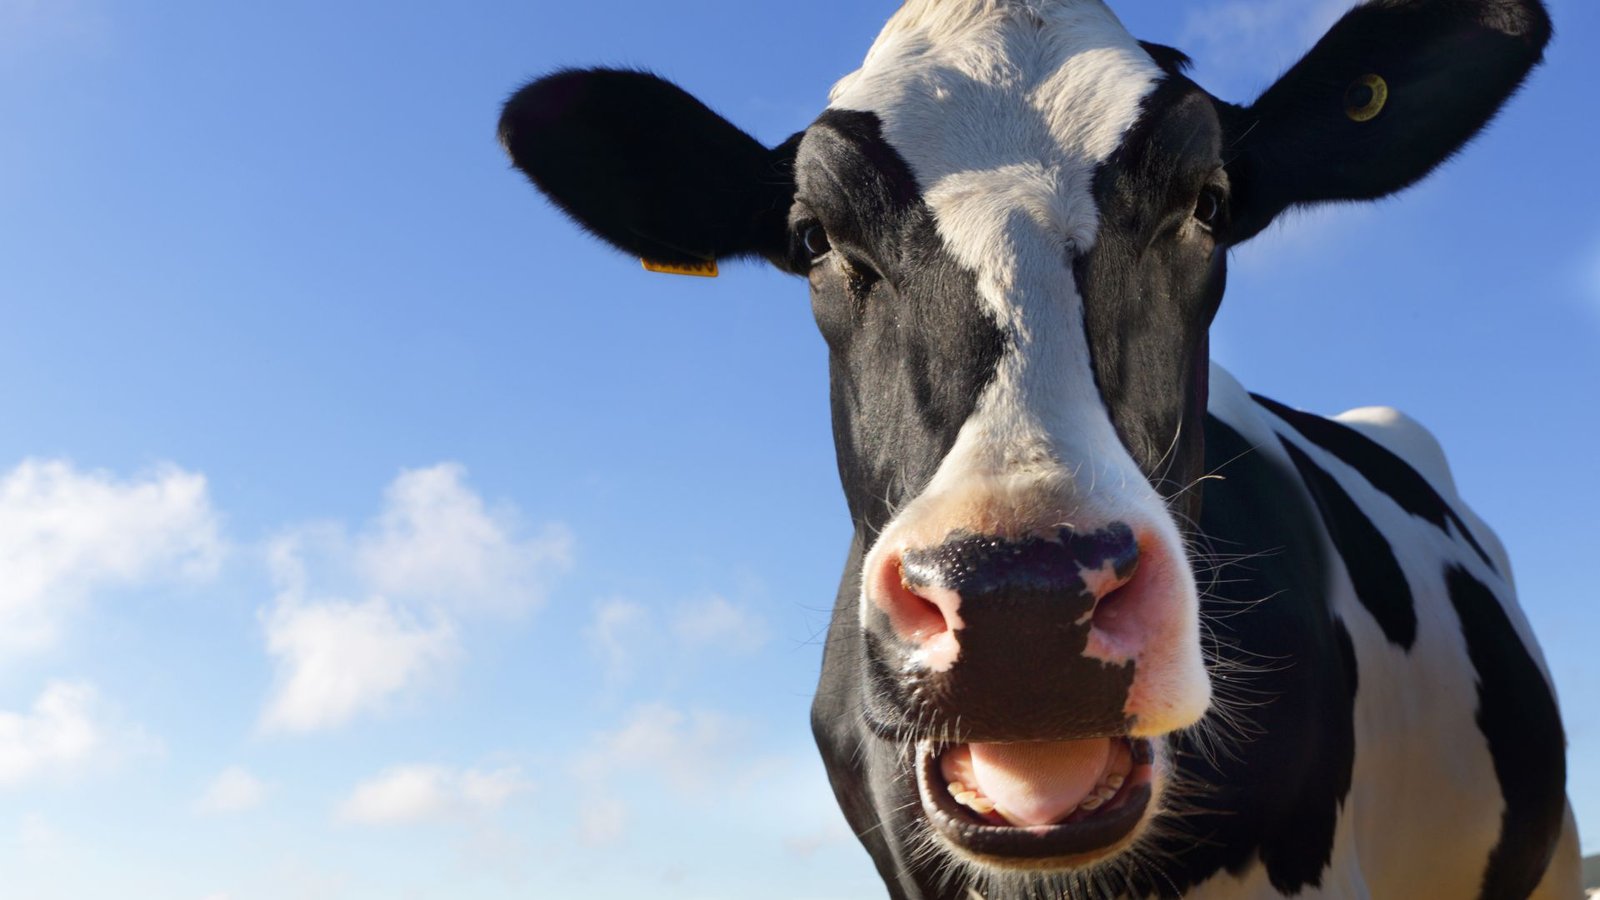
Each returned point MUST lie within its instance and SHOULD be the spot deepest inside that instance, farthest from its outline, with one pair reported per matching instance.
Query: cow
(1110, 624)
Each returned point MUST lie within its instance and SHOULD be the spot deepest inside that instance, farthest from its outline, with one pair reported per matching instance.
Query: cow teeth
(973, 800)
(1115, 781)
(957, 788)
(1105, 792)
(1093, 803)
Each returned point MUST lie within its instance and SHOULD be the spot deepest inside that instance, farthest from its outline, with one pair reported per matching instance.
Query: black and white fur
(1014, 219)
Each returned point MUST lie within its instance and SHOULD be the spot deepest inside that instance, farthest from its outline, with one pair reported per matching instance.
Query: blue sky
(369, 532)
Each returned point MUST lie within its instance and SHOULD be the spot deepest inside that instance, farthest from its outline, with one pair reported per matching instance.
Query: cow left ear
(1395, 88)
(643, 165)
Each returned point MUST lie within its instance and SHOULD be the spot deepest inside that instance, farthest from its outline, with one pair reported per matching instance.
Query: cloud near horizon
(408, 794)
(64, 732)
(359, 620)
(697, 755)
(626, 636)
(660, 763)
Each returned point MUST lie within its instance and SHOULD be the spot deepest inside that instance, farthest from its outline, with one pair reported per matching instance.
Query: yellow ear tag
(707, 269)
(1365, 98)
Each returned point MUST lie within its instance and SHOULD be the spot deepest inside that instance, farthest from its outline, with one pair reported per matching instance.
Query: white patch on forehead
(1004, 109)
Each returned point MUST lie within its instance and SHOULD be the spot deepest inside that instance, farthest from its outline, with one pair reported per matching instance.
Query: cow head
(1014, 219)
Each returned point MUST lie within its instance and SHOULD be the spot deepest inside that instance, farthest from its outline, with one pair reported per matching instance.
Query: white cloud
(664, 761)
(62, 733)
(58, 733)
(420, 793)
(233, 790)
(435, 540)
(65, 533)
(361, 620)
(625, 636)
(338, 659)
(695, 754)
(719, 623)
(686, 749)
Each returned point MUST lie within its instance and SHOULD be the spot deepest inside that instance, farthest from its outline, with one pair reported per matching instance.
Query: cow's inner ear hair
(1394, 89)
(642, 164)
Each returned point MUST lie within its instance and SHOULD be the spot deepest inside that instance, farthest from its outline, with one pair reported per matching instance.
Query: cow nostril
(1117, 594)
(915, 617)
(1107, 608)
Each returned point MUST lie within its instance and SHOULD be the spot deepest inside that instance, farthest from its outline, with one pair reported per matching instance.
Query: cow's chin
(1043, 806)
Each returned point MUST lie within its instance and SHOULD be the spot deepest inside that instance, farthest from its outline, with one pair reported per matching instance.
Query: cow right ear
(1393, 89)
(643, 165)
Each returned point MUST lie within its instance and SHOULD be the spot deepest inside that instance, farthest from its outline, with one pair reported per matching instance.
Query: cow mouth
(1047, 803)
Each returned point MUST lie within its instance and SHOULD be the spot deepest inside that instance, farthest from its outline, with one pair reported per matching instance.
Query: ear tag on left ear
(1365, 98)
(707, 269)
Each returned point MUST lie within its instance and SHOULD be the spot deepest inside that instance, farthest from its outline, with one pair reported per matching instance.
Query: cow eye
(815, 241)
(1208, 208)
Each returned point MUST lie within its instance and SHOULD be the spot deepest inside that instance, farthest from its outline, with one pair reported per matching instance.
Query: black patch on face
(1518, 717)
(911, 345)
(1274, 790)
(1386, 471)
(1152, 283)
(1379, 581)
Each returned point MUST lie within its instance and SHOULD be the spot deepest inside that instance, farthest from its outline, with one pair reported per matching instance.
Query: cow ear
(1394, 89)
(642, 164)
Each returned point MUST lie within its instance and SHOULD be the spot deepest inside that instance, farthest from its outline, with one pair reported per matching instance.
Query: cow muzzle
(1003, 627)
(1035, 672)
(1038, 637)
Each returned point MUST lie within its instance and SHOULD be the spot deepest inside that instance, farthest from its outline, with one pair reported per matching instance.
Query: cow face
(1013, 253)
(1014, 220)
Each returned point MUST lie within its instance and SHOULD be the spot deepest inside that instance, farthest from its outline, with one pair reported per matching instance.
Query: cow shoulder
(1406, 438)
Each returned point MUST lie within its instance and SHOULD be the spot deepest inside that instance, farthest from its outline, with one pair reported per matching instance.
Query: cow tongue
(1032, 783)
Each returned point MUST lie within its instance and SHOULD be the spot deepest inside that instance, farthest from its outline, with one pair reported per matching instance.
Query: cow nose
(929, 594)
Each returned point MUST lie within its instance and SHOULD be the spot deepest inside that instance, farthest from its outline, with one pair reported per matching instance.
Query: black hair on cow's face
(1154, 280)
(910, 351)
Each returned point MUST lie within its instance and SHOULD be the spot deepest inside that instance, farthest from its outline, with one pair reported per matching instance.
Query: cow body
(1110, 625)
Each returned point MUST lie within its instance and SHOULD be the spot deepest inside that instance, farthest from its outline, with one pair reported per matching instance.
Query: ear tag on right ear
(1365, 98)
(707, 269)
